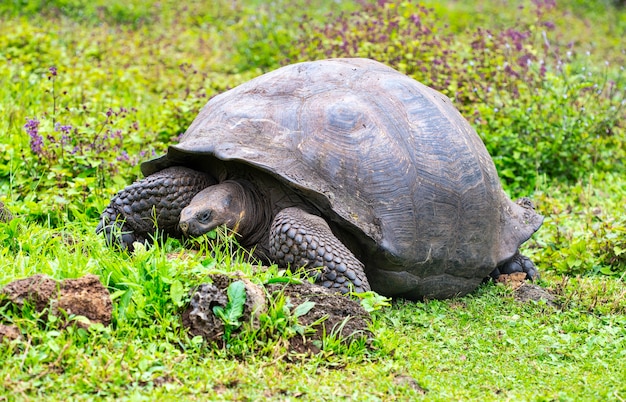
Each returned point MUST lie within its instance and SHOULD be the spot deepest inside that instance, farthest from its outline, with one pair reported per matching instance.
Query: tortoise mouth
(192, 225)
(194, 229)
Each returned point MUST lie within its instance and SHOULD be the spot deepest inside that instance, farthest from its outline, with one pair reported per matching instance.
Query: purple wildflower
(525, 60)
(550, 25)
(65, 129)
(510, 71)
(416, 20)
(52, 71)
(123, 156)
(36, 140)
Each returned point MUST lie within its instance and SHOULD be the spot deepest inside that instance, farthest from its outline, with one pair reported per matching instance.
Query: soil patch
(9, 332)
(338, 314)
(331, 313)
(525, 291)
(84, 296)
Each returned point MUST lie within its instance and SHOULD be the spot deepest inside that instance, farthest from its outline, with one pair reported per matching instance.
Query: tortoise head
(221, 204)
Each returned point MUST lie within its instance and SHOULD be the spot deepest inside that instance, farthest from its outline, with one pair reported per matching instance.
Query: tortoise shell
(387, 160)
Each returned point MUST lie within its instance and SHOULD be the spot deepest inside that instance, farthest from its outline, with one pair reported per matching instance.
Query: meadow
(89, 89)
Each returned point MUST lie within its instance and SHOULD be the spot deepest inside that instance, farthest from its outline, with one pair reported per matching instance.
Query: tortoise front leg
(155, 202)
(301, 239)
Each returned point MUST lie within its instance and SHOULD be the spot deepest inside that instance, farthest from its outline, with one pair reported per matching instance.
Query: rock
(84, 296)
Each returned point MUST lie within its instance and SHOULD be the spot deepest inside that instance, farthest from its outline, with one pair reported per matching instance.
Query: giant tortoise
(363, 176)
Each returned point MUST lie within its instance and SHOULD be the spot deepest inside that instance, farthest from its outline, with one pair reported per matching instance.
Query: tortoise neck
(255, 219)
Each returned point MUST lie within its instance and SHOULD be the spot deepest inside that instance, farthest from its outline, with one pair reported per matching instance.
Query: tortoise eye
(204, 217)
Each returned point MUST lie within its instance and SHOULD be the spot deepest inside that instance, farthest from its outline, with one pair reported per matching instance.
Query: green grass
(485, 345)
(130, 78)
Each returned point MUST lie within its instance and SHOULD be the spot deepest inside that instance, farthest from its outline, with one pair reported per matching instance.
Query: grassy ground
(130, 76)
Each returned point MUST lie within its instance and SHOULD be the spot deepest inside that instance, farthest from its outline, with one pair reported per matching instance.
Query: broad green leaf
(236, 300)
(303, 308)
(233, 311)
(177, 292)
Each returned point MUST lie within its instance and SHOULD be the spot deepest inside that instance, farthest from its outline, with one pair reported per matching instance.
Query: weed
(233, 311)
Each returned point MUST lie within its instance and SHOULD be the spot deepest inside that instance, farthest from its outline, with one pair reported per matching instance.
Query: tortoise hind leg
(518, 263)
(301, 239)
(155, 202)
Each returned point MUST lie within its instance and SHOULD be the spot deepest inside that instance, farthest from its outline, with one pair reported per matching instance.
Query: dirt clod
(341, 316)
(332, 313)
(525, 291)
(514, 280)
(9, 332)
(199, 317)
(84, 296)
(532, 292)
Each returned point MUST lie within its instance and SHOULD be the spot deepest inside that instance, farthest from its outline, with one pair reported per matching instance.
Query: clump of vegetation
(585, 229)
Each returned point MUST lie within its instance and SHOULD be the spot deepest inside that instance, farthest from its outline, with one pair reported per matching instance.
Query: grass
(130, 76)
(483, 346)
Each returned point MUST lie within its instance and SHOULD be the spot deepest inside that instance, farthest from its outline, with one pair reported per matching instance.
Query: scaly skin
(300, 239)
(155, 202)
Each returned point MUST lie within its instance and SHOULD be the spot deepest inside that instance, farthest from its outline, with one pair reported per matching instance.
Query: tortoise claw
(519, 263)
(115, 233)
